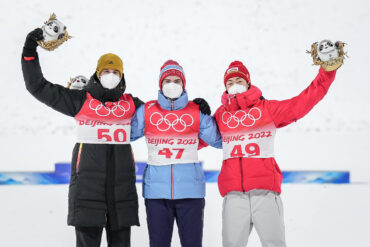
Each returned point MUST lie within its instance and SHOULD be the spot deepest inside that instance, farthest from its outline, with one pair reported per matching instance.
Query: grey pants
(260, 208)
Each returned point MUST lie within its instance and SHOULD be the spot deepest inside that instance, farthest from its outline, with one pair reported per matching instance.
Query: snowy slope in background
(204, 37)
(270, 37)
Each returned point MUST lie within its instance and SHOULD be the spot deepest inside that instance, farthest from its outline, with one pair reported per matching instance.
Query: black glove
(30, 44)
(203, 106)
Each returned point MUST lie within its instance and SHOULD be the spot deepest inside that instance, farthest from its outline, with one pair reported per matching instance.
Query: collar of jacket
(241, 100)
(178, 104)
(103, 94)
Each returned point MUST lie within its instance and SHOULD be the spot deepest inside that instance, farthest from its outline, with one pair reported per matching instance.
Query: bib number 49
(251, 149)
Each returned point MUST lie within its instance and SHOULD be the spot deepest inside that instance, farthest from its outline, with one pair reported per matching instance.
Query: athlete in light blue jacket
(174, 182)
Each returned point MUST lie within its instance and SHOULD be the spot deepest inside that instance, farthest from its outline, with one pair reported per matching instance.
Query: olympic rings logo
(118, 109)
(171, 120)
(241, 117)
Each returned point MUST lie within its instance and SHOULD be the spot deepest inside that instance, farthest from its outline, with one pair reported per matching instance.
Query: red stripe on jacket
(29, 58)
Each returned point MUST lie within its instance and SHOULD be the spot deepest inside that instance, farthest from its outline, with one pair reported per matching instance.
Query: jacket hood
(177, 104)
(102, 94)
(241, 100)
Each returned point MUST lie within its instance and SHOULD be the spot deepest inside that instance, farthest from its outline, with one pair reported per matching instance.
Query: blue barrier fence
(62, 172)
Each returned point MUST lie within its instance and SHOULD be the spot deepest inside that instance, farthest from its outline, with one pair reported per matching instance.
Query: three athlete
(102, 187)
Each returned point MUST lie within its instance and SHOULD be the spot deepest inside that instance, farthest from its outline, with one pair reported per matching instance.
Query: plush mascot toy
(54, 32)
(79, 82)
(327, 54)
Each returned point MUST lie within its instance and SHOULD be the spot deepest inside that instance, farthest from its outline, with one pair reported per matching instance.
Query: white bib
(250, 144)
(247, 133)
(172, 150)
(171, 136)
(93, 131)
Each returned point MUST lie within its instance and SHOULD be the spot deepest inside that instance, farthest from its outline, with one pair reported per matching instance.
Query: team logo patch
(246, 119)
(118, 109)
(171, 120)
(234, 69)
(150, 105)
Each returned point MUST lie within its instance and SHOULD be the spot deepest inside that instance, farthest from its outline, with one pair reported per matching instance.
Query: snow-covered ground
(315, 215)
(269, 36)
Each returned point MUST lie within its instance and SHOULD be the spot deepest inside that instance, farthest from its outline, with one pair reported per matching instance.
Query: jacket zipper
(78, 158)
(233, 96)
(172, 182)
(242, 175)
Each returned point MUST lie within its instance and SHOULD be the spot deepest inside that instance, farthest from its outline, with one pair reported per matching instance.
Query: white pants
(260, 208)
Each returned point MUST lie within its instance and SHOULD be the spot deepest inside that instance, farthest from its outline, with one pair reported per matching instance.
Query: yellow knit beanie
(109, 61)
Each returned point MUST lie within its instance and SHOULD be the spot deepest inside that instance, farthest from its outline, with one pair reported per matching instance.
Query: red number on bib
(179, 153)
(166, 152)
(252, 149)
(237, 151)
(101, 135)
(117, 135)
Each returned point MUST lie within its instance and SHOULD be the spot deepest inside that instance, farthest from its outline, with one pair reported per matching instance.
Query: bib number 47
(251, 149)
(167, 152)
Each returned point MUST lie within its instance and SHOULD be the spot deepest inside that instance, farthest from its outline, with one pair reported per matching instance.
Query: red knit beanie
(237, 69)
(171, 67)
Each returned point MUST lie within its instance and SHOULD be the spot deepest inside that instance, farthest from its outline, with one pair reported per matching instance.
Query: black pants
(91, 237)
(188, 213)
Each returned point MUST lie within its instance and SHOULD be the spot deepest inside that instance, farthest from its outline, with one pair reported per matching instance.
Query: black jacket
(103, 190)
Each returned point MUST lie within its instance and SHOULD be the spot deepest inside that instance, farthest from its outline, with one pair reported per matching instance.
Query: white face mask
(109, 80)
(237, 88)
(172, 90)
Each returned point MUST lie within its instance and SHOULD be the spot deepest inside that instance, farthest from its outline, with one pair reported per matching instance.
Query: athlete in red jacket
(250, 178)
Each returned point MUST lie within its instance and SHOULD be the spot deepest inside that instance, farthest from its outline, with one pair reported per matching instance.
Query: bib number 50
(119, 135)
(251, 149)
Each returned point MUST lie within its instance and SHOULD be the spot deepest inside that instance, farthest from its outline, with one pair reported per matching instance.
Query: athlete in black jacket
(102, 191)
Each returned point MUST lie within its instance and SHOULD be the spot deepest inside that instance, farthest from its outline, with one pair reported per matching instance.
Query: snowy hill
(270, 37)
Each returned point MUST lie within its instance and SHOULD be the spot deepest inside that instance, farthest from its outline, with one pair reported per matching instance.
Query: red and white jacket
(248, 125)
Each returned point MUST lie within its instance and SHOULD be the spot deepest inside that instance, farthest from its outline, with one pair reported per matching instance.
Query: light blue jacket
(175, 181)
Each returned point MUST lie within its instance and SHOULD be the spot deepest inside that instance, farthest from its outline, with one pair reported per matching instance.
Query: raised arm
(287, 111)
(59, 98)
